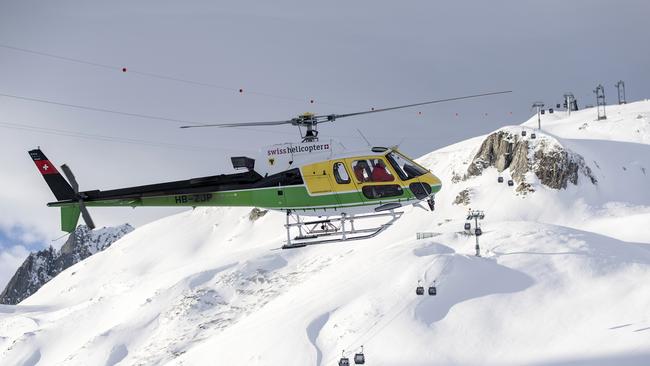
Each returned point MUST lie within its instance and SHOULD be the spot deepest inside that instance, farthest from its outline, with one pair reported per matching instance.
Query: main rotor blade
(337, 116)
(313, 120)
(86, 215)
(71, 179)
(244, 124)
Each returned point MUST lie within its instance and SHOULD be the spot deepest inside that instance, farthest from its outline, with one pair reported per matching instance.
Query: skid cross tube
(334, 228)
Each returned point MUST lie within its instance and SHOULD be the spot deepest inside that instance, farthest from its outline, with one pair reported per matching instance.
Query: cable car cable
(106, 138)
(361, 338)
(165, 77)
(98, 109)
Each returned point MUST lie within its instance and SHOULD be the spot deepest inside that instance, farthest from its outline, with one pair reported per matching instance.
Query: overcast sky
(345, 55)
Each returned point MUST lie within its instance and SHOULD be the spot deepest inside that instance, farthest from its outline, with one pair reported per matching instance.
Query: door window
(382, 191)
(371, 170)
(405, 167)
(340, 174)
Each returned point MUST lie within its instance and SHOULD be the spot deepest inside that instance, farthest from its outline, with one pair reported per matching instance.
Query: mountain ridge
(42, 266)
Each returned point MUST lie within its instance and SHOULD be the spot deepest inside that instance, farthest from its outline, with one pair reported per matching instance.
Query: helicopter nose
(436, 183)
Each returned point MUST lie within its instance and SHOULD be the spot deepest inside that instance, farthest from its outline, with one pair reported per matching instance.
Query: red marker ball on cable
(124, 69)
(241, 90)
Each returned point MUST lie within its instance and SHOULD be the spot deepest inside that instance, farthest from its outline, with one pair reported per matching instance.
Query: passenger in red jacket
(380, 173)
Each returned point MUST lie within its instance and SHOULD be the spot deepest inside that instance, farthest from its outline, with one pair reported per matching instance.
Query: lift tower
(569, 101)
(476, 215)
(600, 102)
(538, 106)
(620, 86)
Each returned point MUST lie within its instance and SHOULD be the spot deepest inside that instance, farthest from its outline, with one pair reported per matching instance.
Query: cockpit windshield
(405, 168)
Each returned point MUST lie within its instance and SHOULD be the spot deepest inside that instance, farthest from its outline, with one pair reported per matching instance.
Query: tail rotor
(79, 196)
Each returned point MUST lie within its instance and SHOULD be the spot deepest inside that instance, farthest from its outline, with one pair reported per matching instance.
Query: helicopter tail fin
(58, 185)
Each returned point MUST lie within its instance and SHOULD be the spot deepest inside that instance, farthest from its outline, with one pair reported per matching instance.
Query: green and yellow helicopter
(310, 178)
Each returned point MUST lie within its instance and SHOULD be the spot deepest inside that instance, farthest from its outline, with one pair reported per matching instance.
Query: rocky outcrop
(463, 197)
(40, 267)
(554, 165)
(256, 213)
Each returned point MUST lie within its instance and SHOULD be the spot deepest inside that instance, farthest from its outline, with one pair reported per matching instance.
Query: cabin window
(382, 191)
(340, 174)
(405, 168)
(371, 170)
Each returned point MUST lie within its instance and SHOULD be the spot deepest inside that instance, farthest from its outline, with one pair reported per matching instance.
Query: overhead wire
(98, 109)
(174, 78)
(107, 138)
(438, 281)
(158, 76)
(123, 113)
(165, 77)
(395, 311)
(174, 120)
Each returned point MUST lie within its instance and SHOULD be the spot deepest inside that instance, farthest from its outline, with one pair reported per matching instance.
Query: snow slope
(563, 279)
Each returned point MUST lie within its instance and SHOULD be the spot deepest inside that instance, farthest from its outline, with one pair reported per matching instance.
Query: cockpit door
(347, 192)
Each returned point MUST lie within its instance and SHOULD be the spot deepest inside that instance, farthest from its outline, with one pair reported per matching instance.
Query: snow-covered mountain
(40, 267)
(562, 280)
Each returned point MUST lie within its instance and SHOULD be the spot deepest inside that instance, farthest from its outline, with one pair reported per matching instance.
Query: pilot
(361, 170)
(380, 173)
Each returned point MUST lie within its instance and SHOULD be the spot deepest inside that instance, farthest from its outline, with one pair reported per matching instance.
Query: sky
(187, 61)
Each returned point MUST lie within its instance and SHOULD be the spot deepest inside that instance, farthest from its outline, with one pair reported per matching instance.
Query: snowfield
(564, 277)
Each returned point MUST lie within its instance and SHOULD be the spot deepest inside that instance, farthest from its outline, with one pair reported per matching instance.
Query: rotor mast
(310, 122)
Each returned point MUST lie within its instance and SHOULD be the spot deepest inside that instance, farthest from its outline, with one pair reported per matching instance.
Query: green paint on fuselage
(287, 197)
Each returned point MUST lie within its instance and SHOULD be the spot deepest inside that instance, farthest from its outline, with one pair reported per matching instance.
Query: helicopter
(311, 178)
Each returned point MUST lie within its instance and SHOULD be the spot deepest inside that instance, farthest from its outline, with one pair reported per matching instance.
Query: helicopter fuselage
(369, 181)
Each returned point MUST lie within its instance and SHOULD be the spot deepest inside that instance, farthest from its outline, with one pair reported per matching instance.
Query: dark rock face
(496, 150)
(40, 267)
(550, 169)
(552, 164)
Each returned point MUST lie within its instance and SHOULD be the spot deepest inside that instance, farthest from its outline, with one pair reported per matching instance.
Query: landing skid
(334, 229)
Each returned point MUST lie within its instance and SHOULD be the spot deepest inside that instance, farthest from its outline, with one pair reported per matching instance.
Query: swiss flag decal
(45, 167)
